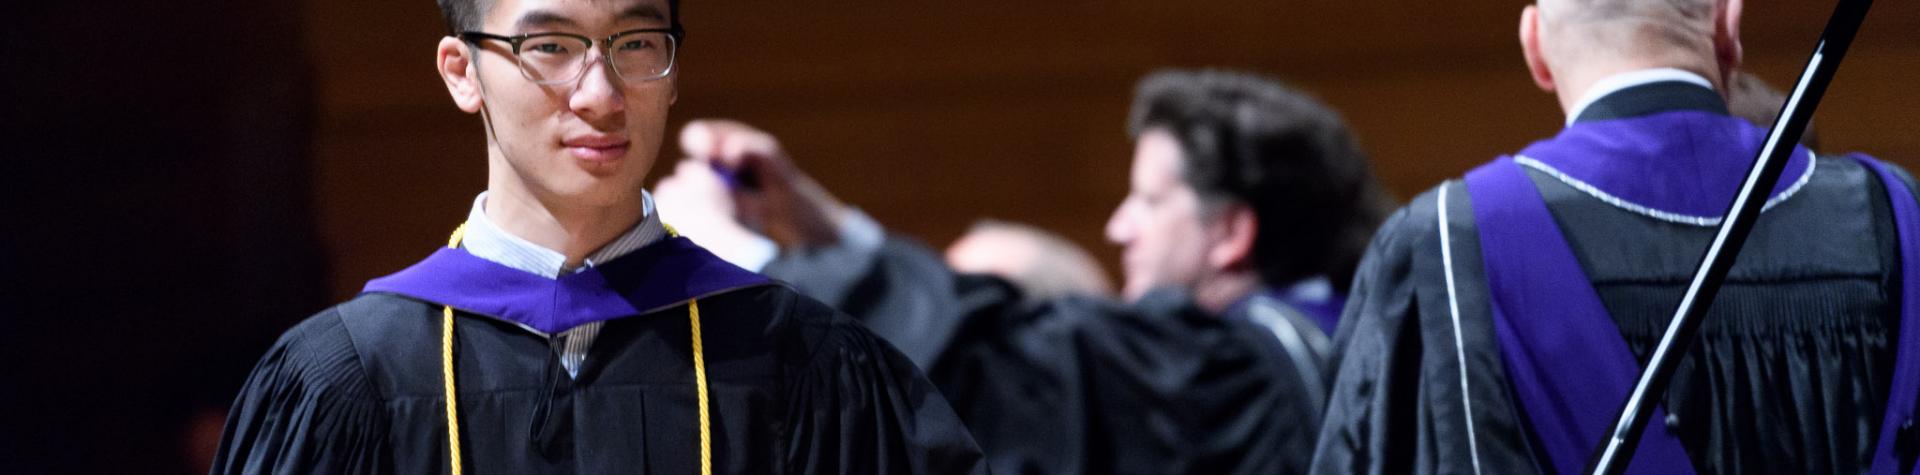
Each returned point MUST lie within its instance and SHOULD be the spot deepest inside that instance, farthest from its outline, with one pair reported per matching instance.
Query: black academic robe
(1790, 374)
(794, 386)
(1083, 385)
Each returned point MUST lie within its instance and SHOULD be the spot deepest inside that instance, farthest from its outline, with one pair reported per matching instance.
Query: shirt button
(1673, 421)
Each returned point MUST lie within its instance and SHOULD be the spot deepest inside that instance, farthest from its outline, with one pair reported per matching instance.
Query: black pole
(1616, 452)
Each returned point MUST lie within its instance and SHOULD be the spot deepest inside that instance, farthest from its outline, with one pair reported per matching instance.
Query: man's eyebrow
(644, 11)
(547, 18)
(542, 18)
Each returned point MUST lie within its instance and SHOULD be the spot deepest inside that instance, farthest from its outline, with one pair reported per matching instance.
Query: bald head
(1569, 44)
(1042, 264)
(1633, 28)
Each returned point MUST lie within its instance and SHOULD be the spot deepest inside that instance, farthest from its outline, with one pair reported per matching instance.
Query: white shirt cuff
(752, 254)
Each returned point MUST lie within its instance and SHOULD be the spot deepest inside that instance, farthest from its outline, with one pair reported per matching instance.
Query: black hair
(465, 15)
(1251, 140)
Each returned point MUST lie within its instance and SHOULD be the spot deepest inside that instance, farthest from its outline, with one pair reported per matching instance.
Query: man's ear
(454, 59)
(1531, 48)
(1239, 228)
(1726, 38)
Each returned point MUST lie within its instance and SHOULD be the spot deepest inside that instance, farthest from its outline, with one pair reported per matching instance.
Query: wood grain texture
(931, 114)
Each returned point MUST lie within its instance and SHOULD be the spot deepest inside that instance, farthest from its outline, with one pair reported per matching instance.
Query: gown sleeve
(1377, 350)
(1398, 401)
(1076, 385)
(860, 406)
(1093, 386)
(308, 407)
(900, 290)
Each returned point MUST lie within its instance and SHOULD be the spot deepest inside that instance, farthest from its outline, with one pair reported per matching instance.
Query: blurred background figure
(1243, 195)
(1042, 264)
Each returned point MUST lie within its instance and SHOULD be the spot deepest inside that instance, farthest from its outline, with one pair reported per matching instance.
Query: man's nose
(1119, 230)
(600, 92)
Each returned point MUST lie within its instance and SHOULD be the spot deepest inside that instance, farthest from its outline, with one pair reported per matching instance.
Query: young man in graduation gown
(566, 329)
(1498, 322)
(1208, 369)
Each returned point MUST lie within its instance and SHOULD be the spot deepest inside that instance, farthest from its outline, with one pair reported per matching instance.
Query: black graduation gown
(1790, 375)
(795, 388)
(1084, 385)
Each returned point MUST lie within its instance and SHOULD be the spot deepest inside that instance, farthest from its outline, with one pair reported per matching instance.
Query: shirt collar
(1615, 83)
(486, 240)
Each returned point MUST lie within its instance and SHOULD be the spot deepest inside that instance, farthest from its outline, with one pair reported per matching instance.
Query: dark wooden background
(185, 180)
(931, 114)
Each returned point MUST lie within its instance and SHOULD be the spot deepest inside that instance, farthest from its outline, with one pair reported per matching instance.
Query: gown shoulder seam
(339, 313)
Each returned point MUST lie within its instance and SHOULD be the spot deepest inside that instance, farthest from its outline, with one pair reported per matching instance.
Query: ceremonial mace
(1616, 452)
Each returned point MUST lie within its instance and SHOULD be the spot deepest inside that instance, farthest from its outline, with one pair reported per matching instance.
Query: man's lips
(597, 149)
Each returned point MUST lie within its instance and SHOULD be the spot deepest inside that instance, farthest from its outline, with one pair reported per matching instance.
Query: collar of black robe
(1652, 98)
(1323, 310)
(661, 275)
(1669, 146)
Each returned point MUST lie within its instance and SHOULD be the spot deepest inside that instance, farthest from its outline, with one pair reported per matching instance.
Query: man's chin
(588, 189)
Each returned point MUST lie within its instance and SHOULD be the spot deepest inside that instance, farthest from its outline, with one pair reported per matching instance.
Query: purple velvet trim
(1639, 159)
(1906, 368)
(656, 276)
(1324, 312)
(1568, 365)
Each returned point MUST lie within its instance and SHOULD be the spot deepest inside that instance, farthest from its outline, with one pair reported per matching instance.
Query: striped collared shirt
(487, 241)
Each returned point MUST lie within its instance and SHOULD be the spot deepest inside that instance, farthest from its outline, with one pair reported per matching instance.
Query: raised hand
(765, 191)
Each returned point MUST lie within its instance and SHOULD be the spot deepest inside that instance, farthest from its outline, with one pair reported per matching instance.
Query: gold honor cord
(446, 367)
(700, 385)
(453, 411)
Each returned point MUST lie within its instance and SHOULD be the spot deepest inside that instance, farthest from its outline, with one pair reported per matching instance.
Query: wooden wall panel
(932, 114)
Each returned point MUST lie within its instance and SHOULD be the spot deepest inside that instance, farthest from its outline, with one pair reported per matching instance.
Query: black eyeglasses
(557, 58)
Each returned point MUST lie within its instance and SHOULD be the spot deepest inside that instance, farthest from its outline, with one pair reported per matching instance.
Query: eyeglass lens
(638, 56)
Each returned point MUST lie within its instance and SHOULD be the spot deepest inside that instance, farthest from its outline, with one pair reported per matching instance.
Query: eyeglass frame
(604, 45)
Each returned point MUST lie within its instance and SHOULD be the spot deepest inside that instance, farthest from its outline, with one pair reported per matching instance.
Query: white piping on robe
(1677, 218)
(1453, 307)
